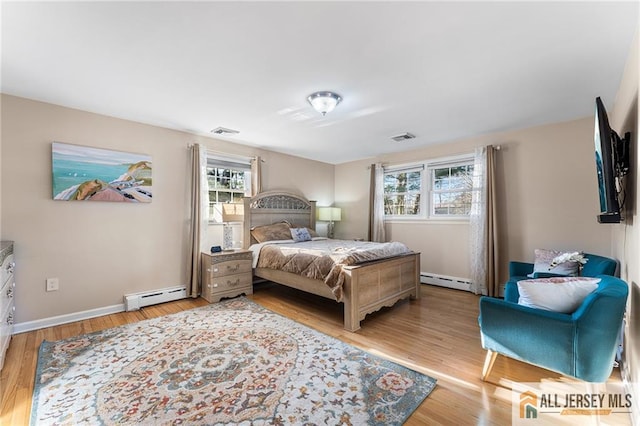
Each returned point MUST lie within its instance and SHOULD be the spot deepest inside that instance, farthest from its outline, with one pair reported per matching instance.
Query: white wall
(101, 251)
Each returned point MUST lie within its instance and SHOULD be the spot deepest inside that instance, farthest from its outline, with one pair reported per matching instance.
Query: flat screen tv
(612, 164)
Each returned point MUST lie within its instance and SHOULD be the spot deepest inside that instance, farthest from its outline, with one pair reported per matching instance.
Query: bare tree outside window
(402, 191)
(423, 190)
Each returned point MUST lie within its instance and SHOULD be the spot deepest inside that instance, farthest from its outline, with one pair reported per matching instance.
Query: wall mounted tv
(612, 164)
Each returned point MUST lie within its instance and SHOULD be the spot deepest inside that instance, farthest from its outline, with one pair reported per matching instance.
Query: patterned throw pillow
(300, 234)
(558, 294)
(277, 231)
(543, 260)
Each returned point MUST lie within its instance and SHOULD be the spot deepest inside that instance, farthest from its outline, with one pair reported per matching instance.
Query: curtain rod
(226, 154)
(384, 164)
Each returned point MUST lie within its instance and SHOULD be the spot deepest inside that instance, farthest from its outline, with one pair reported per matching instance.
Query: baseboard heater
(445, 281)
(135, 301)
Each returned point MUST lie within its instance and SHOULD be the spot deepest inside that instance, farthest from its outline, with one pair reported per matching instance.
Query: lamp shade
(233, 212)
(330, 214)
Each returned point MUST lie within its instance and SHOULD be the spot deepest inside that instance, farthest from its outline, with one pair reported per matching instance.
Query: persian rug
(233, 362)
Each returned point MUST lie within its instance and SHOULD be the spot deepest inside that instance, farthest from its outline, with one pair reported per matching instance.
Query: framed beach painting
(82, 173)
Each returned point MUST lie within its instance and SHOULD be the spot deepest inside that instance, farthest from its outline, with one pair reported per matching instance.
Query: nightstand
(226, 274)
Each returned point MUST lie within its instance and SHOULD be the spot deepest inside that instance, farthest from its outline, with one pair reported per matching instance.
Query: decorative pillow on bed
(300, 234)
(277, 231)
(312, 232)
(544, 258)
(558, 294)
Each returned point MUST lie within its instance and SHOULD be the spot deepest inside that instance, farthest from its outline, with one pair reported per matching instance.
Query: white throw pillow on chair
(558, 294)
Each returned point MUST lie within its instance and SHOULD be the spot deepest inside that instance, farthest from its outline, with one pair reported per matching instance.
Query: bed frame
(368, 287)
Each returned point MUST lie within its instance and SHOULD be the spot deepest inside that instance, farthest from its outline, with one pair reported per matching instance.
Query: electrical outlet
(53, 284)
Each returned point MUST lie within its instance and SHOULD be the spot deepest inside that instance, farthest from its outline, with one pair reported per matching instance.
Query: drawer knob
(233, 283)
(215, 269)
(10, 292)
(233, 268)
(10, 319)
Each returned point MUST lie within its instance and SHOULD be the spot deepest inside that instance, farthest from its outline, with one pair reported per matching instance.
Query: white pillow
(558, 294)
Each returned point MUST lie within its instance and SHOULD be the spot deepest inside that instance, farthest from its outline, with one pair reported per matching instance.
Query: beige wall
(101, 251)
(624, 117)
(547, 191)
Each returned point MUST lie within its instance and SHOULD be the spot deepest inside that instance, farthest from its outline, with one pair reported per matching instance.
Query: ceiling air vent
(224, 131)
(403, 137)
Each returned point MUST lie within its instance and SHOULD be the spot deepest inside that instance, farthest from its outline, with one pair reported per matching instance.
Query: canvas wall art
(82, 173)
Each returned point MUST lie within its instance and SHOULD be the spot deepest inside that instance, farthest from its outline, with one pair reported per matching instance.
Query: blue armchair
(596, 265)
(581, 344)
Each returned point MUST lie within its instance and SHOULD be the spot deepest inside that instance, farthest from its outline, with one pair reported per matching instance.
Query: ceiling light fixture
(324, 102)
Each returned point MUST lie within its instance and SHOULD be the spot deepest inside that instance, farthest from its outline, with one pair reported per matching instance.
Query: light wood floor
(437, 335)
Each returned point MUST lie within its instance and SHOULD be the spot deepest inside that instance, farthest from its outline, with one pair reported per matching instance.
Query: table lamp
(331, 215)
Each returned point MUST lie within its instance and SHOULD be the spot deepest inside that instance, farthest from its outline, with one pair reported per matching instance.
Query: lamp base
(227, 237)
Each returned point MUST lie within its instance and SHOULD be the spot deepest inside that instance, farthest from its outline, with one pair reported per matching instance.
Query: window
(403, 191)
(451, 188)
(229, 181)
(435, 189)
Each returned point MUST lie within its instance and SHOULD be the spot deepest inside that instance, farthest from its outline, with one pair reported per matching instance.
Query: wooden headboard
(275, 206)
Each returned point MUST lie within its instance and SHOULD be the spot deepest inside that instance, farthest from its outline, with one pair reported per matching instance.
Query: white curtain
(199, 215)
(482, 224)
(377, 211)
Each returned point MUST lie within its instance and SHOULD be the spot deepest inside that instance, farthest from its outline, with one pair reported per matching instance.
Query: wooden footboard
(378, 284)
(367, 288)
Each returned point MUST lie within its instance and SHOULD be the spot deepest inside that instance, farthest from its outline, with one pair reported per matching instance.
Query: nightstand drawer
(221, 269)
(230, 282)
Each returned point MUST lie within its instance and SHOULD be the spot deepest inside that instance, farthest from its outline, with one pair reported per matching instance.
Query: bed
(366, 287)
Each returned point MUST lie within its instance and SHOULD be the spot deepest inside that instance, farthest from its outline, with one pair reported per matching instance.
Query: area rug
(232, 362)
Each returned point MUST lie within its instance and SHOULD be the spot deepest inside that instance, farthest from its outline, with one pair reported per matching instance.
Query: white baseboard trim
(445, 281)
(67, 318)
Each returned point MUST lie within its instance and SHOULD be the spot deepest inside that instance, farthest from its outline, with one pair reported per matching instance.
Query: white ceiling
(440, 70)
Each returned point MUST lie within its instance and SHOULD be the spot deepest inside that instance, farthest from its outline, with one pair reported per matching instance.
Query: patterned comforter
(322, 259)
